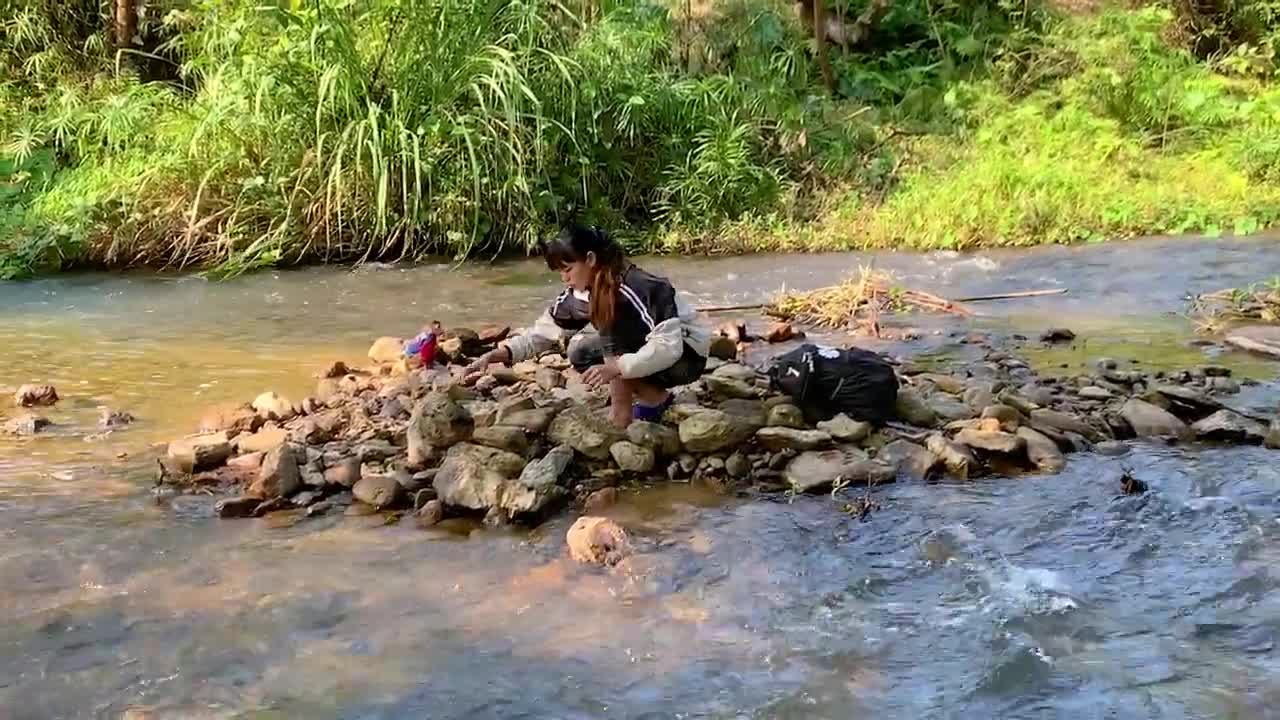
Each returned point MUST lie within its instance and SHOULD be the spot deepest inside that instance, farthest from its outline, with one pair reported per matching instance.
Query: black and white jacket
(652, 324)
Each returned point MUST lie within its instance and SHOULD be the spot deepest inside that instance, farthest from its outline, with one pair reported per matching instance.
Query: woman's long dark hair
(573, 244)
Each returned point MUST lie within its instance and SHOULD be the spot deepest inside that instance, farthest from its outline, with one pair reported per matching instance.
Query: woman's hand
(483, 362)
(602, 374)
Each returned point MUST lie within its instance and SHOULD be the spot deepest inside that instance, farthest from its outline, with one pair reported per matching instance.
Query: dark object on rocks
(36, 396)
(597, 541)
(826, 381)
(1130, 485)
(237, 507)
(1056, 335)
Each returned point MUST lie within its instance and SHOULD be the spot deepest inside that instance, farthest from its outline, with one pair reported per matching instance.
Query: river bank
(999, 597)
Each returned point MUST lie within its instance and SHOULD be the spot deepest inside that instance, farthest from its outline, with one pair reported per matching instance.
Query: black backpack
(825, 381)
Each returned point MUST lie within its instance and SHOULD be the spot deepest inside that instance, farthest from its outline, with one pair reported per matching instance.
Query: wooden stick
(975, 298)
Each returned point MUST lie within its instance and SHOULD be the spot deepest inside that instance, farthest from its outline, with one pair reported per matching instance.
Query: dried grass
(1260, 302)
(858, 303)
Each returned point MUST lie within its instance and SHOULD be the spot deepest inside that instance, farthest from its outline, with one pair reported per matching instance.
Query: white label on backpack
(829, 353)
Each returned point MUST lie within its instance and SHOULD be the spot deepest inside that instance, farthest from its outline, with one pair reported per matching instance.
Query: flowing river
(1034, 597)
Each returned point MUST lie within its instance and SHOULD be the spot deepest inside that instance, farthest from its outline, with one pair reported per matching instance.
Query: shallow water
(1034, 597)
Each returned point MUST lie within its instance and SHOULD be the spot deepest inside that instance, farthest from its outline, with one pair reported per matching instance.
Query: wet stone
(237, 507)
(845, 429)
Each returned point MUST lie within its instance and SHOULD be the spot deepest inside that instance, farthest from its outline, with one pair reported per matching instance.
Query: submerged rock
(1262, 339)
(24, 425)
(36, 396)
(909, 459)
(1057, 335)
(429, 515)
(109, 419)
(600, 500)
(1272, 439)
(242, 506)
(819, 469)
(597, 541)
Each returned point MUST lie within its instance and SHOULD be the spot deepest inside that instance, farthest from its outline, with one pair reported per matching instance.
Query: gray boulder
(711, 430)
(912, 408)
(846, 429)
(818, 469)
(1042, 451)
(1148, 420)
(1230, 426)
(589, 433)
(663, 440)
(786, 438)
(632, 457)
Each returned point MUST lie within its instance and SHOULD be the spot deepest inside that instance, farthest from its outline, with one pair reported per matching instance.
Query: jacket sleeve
(538, 339)
(662, 348)
(664, 344)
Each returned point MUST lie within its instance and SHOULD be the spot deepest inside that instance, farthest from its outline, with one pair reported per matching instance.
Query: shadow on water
(1014, 598)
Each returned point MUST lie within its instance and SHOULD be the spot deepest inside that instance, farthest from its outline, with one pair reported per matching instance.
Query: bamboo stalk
(973, 298)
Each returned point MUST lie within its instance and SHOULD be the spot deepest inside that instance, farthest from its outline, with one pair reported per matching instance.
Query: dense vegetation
(235, 134)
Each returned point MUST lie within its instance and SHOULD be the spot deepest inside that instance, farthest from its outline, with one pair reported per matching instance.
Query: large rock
(271, 406)
(1008, 417)
(386, 350)
(597, 541)
(727, 387)
(949, 409)
(957, 458)
(437, 422)
(845, 429)
(632, 457)
(736, 371)
(1262, 339)
(786, 438)
(344, 473)
(538, 484)
(379, 491)
(200, 452)
(469, 470)
(533, 420)
(589, 433)
(909, 459)
(232, 418)
(35, 396)
(24, 425)
(912, 408)
(723, 348)
(1063, 422)
(992, 441)
(1147, 420)
(1042, 451)
(663, 440)
(278, 477)
(710, 430)
(1272, 440)
(786, 415)
(818, 469)
(502, 437)
(1186, 403)
(262, 441)
(751, 412)
(1230, 426)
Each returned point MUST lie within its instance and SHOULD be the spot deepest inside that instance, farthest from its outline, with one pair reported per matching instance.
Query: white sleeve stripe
(644, 312)
(559, 301)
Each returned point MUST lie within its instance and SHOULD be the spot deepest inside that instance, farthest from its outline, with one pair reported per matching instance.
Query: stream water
(1036, 597)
